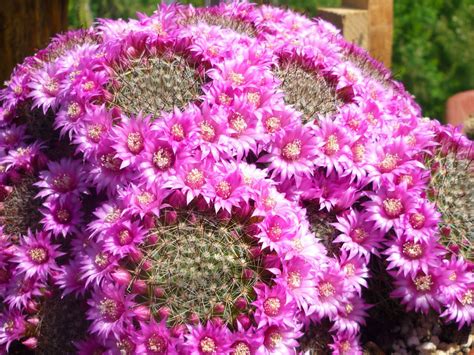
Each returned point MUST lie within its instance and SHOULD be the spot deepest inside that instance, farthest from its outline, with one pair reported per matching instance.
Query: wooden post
(380, 14)
(353, 23)
(26, 26)
(368, 23)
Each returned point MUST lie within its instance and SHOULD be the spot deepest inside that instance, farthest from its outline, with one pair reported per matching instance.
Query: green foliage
(433, 53)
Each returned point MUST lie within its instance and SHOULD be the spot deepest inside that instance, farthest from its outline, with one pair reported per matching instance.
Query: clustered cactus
(222, 180)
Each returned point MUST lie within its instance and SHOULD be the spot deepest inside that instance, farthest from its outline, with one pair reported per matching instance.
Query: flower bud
(139, 286)
(30, 343)
(122, 276)
(244, 320)
(164, 312)
(241, 303)
(142, 312)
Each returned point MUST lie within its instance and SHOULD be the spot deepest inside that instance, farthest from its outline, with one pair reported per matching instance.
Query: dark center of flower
(272, 124)
(294, 279)
(110, 162)
(135, 142)
(412, 250)
(326, 289)
(145, 198)
(38, 255)
(238, 123)
(332, 145)
(292, 151)
(417, 220)
(163, 158)
(467, 298)
(101, 260)
(110, 310)
(389, 162)
(241, 349)
(393, 207)
(73, 111)
(273, 339)
(208, 345)
(177, 131)
(156, 344)
(208, 132)
(223, 189)
(423, 283)
(124, 237)
(195, 178)
(63, 215)
(272, 306)
(94, 132)
(63, 183)
(236, 78)
(358, 235)
(51, 86)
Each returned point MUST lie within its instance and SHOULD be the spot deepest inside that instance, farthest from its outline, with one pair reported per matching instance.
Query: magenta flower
(422, 222)
(274, 305)
(155, 339)
(331, 292)
(345, 345)
(388, 206)
(45, 87)
(409, 257)
(351, 316)
(111, 311)
(62, 179)
(358, 236)
(421, 291)
(299, 279)
(123, 238)
(130, 137)
(36, 255)
(96, 264)
(292, 154)
(12, 327)
(62, 217)
(69, 117)
(208, 339)
(280, 340)
(334, 142)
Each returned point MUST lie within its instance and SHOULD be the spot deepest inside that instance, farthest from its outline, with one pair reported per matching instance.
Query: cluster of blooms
(209, 205)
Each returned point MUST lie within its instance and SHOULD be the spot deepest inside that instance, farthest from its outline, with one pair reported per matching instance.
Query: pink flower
(44, 87)
(130, 137)
(388, 206)
(209, 339)
(69, 117)
(95, 127)
(345, 344)
(12, 327)
(409, 257)
(350, 316)
(334, 152)
(280, 340)
(358, 236)
(96, 264)
(330, 292)
(62, 217)
(461, 307)
(62, 179)
(274, 306)
(36, 255)
(123, 238)
(419, 292)
(111, 311)
(292, 154)
(422, 222)
(155, 339)
(298, 277)
(143, 201)
(179, 128)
